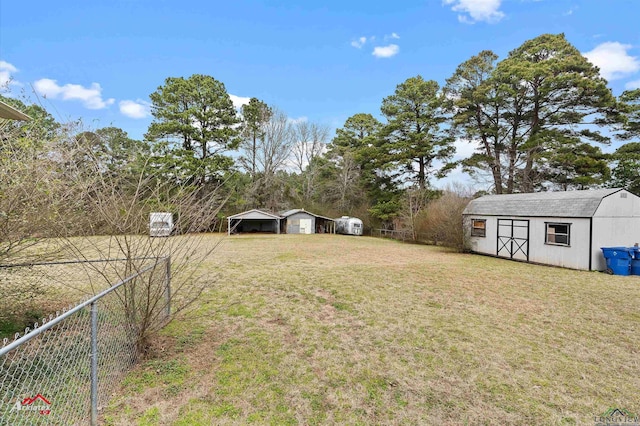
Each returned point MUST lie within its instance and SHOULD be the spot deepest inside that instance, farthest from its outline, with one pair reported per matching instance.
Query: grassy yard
(29, 293)
(326, 329)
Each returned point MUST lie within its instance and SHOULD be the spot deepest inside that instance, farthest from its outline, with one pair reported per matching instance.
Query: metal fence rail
(64, 370)
(394, 234)
(404, 236)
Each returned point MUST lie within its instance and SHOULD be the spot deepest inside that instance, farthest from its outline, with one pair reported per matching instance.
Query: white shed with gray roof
(300, 221)
(555, 228)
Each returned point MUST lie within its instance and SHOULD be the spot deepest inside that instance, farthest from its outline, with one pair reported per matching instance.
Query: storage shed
(254, 221)
(555, 228)
(300, 221)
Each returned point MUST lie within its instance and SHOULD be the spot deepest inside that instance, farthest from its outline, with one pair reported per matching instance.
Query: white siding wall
(575, 256)
(615, 223)
(488, 244)
(620, 204)
(293, 222)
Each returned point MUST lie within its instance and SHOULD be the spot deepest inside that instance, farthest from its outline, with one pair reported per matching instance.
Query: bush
(441, 221)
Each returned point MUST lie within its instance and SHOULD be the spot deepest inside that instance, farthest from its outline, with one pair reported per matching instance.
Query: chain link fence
(65, 369)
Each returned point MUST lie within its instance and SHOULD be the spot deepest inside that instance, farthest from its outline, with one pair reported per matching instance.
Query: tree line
(537, 120)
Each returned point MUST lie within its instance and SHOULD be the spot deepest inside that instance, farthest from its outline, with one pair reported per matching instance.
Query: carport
(253, 221)
(10, 113)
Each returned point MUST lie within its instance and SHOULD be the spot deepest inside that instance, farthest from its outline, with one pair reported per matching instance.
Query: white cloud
(238, 101)
(135, 109)
(635, 84)
(392, 36)
(478, 10)
(359, 42)
(613, 60)
(297, 120)
(90, 97)
(464, 149)
(6, 69)
(385, 51)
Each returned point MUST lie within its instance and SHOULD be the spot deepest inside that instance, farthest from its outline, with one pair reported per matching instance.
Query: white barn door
(305, 226)
(513, 239)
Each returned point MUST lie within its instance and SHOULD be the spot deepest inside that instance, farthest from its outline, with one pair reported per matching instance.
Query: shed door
(305, 226)
(513, 239)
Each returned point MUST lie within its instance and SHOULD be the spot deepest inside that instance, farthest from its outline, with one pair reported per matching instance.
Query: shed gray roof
(294, 211)
(540, 204)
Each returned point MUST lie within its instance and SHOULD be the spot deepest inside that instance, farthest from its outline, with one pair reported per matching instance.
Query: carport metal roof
(9, 112)
(255, 214)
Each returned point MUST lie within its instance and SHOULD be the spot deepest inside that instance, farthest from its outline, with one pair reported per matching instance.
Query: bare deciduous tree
(311, 140)
(275, 148)
(269, 153)
(86, 212)
(346, 186)
(310, 144)
(120, 206)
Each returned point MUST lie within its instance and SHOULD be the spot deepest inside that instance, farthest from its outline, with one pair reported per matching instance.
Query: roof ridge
(578, 203)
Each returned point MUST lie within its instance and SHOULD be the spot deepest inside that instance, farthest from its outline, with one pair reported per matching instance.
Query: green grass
(168, 374)
(324, 329)
(16, 324)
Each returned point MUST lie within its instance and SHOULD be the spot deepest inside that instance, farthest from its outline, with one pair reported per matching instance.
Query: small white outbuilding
(555, 228)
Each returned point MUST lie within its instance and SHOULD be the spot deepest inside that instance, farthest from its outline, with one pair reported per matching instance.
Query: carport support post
(278, 225)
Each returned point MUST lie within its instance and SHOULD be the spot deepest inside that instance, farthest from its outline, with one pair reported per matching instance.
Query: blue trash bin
(618, 260)
(635, 262)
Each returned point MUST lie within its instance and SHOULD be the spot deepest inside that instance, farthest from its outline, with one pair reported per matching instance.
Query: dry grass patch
(329, 329)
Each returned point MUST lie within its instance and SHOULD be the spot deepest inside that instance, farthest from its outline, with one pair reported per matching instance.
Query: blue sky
(325, 61)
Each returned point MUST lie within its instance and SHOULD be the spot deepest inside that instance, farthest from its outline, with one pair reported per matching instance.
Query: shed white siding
(616, 222)
(487, 244)
(574, 256)
(301, 223)
(516, 225)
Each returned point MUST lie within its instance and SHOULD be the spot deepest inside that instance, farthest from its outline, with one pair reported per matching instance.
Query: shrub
(441, 221)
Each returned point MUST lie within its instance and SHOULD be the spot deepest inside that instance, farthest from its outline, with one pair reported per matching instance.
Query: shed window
(558, 233)
(478, 227)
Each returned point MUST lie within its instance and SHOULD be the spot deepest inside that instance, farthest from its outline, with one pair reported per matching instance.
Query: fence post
(94, 363)
(168, 284)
